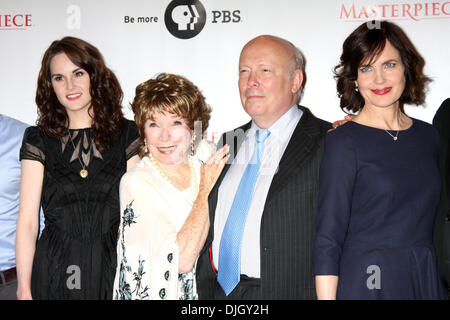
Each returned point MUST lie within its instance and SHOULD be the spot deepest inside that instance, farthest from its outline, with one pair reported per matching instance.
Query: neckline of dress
(150, 164)
(383, 130)
(81, 129)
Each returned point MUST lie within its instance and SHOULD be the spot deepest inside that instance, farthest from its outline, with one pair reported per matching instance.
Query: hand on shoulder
(339, 123)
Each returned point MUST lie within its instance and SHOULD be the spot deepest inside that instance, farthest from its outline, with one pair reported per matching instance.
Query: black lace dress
(75, 256)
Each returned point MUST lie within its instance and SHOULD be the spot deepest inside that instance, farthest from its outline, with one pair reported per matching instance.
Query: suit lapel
(304, 140)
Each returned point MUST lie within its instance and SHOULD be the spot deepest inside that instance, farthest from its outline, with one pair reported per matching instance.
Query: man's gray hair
(299, 64)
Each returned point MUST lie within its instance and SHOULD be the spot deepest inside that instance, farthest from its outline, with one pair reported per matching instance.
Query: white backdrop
(137, 51)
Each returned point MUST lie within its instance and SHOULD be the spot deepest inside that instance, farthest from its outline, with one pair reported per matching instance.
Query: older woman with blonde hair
(164, 198)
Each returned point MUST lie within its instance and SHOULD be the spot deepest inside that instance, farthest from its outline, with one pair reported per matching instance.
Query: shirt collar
(280, 128)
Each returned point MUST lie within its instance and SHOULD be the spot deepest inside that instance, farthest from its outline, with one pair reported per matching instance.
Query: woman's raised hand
(212, 168)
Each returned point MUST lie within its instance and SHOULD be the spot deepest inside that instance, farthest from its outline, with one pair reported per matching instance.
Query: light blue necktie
(231, 242)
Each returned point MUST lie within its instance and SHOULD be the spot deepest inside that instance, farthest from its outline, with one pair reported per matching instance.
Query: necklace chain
(83, 172)
(393, 137)
(193, 184)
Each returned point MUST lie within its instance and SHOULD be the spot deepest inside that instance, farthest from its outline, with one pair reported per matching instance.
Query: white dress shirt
(274, 146)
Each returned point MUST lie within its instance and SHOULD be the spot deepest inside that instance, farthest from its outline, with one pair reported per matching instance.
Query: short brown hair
(172, 94)
(365, 44)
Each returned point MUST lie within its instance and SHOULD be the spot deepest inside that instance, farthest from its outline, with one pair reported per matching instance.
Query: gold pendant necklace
(83, 172)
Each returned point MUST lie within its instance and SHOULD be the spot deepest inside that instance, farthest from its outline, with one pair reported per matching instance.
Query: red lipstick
(383, 91)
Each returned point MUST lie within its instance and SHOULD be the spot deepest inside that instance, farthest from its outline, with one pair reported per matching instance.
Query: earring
(193, 145)
(356, 89)
(146, 148)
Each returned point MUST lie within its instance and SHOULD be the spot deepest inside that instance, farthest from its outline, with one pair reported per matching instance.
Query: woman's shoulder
(344, 132)
(33, 131)
(421, 123)
(35, 136)
(136, 172)
(424, 126)
(140, 175)
(34, 146)
(346, 140)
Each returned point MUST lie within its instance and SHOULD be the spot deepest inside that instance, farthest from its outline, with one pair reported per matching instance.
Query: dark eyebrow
(390, 60)
(75, 70)
(384, 62)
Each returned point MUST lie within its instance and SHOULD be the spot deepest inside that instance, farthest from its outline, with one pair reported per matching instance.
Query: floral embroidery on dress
(131, 282)
(186, 281)
(124, 292)
(162, 293)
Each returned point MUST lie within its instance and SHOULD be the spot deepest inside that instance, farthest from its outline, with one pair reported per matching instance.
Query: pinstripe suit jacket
(288, 220)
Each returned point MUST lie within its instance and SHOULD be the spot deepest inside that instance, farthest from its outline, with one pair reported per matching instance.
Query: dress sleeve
(33, 145)
(147, 250)
(131, 140)
(336, 184)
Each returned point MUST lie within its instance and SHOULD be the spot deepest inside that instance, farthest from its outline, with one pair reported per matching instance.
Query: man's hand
(338, 123)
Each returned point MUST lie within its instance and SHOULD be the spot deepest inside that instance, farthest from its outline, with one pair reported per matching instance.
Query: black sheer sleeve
(33, 145)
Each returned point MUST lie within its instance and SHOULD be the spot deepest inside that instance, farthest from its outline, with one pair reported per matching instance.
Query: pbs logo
(185, 18)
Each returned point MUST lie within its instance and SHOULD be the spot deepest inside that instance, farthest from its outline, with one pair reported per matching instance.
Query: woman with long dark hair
(72, 162)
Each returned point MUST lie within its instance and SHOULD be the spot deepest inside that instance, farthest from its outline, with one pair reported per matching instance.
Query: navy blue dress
(377, 203)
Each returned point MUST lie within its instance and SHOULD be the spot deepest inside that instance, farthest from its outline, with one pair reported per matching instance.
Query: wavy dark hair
(173, 94)
(363, 46)
(106, 105)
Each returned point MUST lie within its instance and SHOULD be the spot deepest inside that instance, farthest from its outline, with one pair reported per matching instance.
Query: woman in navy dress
(379, 179)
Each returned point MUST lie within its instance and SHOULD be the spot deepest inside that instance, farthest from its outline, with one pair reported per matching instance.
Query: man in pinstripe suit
(278, 235)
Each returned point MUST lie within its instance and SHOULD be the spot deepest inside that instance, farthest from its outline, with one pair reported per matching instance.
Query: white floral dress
(152, 213)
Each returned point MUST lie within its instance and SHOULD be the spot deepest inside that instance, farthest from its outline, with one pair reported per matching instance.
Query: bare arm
(194, 231)
(326, 287)
(28, 224)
